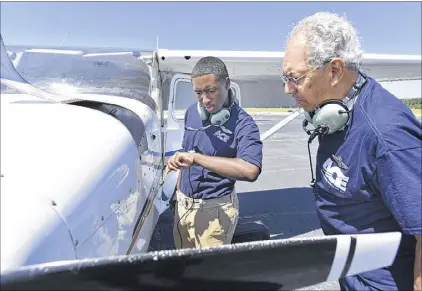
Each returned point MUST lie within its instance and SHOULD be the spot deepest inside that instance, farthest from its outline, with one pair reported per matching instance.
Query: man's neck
(346, 84)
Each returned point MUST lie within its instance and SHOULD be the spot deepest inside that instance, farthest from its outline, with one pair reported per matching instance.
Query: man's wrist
(195, 158)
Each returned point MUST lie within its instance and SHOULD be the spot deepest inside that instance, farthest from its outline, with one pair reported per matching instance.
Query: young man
(221, 145)
(368, 171)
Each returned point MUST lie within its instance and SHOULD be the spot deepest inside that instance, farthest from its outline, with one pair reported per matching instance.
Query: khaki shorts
(202, 223)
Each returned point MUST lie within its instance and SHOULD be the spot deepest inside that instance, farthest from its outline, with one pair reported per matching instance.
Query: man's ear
(337, 70)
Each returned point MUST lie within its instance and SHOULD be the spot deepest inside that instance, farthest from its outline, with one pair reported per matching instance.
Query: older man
(221, 145)
(368, 169)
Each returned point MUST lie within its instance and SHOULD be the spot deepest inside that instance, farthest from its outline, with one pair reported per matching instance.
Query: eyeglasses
(208, 91)
(295, 81)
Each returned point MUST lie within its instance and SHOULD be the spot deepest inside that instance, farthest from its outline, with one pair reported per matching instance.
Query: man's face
(314, 84)
(211, 94)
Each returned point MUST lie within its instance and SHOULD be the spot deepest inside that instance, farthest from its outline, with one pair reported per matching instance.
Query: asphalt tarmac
(281, 197)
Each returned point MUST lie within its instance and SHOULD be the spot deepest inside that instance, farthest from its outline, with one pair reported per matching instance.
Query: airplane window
(73, 73)
(185, 96)
(236, 100)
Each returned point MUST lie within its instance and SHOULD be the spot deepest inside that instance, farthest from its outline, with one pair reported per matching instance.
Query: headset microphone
(197, 129)
(344, 111)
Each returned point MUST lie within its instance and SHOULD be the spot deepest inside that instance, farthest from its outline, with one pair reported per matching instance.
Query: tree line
(414, 103)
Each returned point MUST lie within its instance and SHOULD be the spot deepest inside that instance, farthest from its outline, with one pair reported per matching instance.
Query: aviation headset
(331, 116)
(218, 118)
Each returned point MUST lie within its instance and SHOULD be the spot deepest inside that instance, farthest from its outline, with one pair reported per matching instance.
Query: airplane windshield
(71, 73)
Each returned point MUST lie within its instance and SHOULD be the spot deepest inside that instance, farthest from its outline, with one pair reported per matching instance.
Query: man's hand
(180, 160)
(417, 283)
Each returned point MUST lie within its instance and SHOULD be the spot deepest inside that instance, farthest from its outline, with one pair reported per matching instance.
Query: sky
(385, 27)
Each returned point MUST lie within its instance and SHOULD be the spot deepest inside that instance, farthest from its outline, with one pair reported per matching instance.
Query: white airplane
(85, 134)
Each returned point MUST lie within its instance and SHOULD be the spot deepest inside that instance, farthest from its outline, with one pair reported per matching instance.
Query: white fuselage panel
(74, 169)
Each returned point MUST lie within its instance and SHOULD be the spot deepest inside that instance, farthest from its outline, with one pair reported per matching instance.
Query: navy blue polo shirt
(238, 138)
(378, 186)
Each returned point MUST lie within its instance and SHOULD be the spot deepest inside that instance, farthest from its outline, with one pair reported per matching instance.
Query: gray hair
(327, 36)
(210, 65)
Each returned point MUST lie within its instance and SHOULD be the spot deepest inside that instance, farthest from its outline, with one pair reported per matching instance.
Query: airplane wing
(258, 75)
(258, 72)
(268, 63)
(264, 265)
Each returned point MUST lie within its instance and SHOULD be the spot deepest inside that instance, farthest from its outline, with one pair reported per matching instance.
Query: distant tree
(414, 103)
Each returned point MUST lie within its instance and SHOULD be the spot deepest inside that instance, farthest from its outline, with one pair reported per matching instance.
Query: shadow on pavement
(286, 212)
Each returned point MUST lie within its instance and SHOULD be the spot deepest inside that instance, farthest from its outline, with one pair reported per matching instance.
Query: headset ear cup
(307, 116)
(330, 115)
(220, 117)
(203, 114)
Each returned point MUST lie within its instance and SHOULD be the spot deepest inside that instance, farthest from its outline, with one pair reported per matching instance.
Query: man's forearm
(417, 283)
(233, 168)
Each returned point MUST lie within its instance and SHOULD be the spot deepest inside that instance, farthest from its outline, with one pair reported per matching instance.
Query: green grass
(252, 110)
(417, 112)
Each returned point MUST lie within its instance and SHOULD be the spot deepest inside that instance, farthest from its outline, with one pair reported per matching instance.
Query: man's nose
(205, 98)
(289, 88)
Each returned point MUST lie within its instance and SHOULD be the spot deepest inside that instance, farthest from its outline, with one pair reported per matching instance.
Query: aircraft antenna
(157, 42)
(65, 36)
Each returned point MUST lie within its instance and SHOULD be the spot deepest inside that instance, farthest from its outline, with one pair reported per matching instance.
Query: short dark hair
(211, 65)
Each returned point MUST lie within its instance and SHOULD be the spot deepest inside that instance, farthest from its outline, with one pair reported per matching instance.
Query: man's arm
(232, 168)
(248, 162)
(417, 284)
(399, 181)
(245, 167)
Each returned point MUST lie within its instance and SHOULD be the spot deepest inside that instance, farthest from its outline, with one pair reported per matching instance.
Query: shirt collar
(353, 94)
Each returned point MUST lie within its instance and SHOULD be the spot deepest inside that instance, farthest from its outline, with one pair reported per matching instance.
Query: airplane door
(181, 96)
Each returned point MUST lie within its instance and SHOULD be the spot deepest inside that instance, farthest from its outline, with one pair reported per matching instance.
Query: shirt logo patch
(339, 162)
(226, 130)
(222, 136)
(334, 176)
